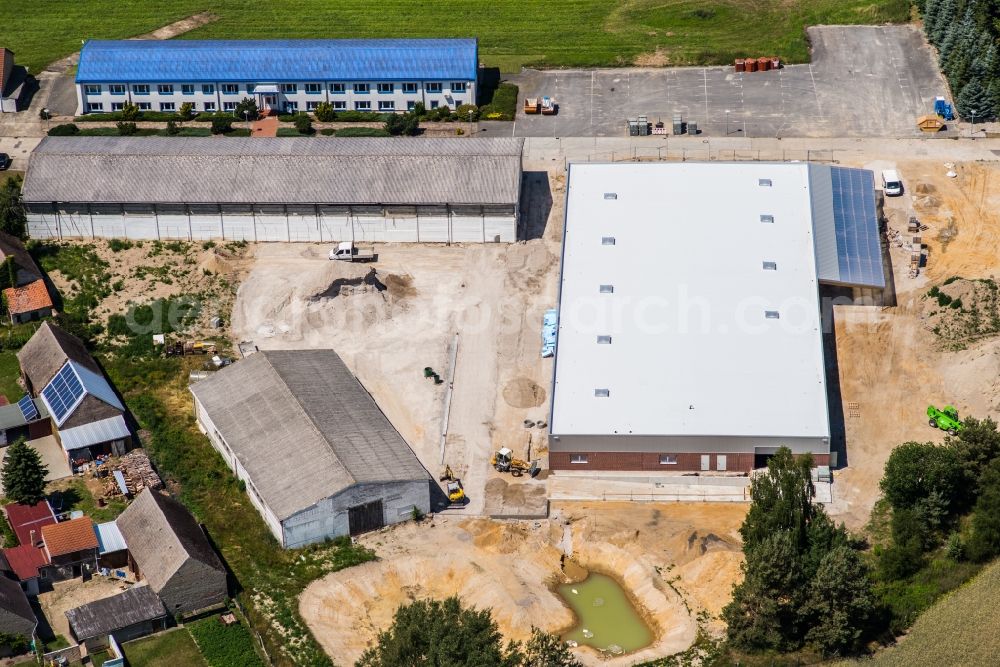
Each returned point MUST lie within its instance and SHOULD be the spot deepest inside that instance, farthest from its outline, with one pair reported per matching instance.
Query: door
(362, 518)
(269, 101)
(720, 462)
(706, 461)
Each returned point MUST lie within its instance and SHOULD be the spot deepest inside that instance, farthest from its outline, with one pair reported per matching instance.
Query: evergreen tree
(931, 14)
(13, 219)
(974, 98)
(840, 602)
(984, 543)
(949, 32)
(23, 474)
(944, 21)
(781, 500)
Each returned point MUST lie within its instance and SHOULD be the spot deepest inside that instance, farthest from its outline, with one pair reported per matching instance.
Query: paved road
(863, 81)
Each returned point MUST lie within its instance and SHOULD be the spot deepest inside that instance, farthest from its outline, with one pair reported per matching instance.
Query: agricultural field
(512, 33)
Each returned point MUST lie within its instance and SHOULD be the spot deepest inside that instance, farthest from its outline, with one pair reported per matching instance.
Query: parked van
(892, 186)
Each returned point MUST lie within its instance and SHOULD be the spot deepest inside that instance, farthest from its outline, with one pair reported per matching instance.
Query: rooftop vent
(607, 289)
(771, 314)
(764, 182)
(770, 266)
(607, 240)
(604, 340)
(766, 218)
(611, 195)
(602, 393)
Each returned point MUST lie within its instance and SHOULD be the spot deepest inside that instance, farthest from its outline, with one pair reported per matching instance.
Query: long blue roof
(152, 61)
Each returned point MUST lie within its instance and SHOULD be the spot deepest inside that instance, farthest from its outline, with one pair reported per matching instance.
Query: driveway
(863, 81)
(52, 455)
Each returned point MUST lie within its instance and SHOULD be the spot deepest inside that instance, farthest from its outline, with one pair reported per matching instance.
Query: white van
(891, 184)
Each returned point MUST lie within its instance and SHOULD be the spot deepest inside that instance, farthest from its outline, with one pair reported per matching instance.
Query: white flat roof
(692, 349)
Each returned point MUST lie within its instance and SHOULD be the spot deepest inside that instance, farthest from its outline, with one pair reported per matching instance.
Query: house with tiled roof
(25, 295)
(71, 548)
(27, 562)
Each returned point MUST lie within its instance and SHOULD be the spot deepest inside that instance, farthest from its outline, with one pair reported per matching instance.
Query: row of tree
(966, 33)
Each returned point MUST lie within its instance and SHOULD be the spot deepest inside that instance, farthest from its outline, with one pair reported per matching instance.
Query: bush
(117, 245)
(405, 124)
(503, 106)
(362, 132)
(916, 471)
(126, 128)
(222, 125)
(66, 130)
(464, 110)
(324, 112)
(360, 117)
(172, 128)
(130, 112)
(304, 124)
(185, 112)
(224, 645)
(247, 109)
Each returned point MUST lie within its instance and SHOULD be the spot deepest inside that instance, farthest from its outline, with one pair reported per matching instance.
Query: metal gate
(363, 518)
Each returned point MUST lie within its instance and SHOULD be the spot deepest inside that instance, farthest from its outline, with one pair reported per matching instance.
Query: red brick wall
(686, 461)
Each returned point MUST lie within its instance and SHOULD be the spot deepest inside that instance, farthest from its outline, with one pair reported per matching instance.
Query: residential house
(71, 548)
(131, 614)
(88, 416)
(27, 562)
(287, 75)
(25, 295)
(168, 548)
(16, 615)
(12, 80)
(317, 455)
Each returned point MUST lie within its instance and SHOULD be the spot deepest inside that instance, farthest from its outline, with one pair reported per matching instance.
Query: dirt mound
(924, 188)
(213, 262)
(400, 287)
(926, 202)
(961, 311)
(527, 263)
(523, 393)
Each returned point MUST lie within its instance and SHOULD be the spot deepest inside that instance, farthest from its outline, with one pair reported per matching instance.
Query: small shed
(930, 123)
(111, 549)
(129, 615)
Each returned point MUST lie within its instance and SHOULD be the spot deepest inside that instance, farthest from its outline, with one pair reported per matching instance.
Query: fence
(708, 154)
(70, 654)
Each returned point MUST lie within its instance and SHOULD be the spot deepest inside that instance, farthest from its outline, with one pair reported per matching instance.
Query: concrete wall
(317, 224)
(209, 96)
(194, 586)
(329, 517)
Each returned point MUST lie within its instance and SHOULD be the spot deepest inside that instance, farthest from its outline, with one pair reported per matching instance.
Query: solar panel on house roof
(63, 393)
(28, 409)
(859, 248)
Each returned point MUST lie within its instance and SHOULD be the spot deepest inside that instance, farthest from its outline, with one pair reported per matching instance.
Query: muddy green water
(606, 619)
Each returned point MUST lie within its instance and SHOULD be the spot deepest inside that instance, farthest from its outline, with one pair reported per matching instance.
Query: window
(208, 89)
(229, 106)
(250, 88)
(607, 240)
(361, 88)
(289, 87)
(230, 89)
(117, 106)
(411, 105)
(771, 314)
(770, 266)
(311, 106)
(95, 106)
(764, 182)
(363, 106)
(339, 106)
(433, 87)
(767, 218)
(611, 195)
(117, 89)
(209, 106)
(166, 106)
(337, 88)
(577, 458)
(602, 393)
(668, 459)
(434, 104)
(385, 88)
(314, 88)
(92, 89)
(387, 105)
(409, 88)
(291, 106)
(144, 106)
(165, 89)
(604, 340)
(187, 89)
(141, 89)
(458, 86)
(607, 289)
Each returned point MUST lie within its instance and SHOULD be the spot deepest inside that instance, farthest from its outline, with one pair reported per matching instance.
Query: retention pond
(606, 619)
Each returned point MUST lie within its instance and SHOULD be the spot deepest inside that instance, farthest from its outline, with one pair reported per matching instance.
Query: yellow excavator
(504, 461)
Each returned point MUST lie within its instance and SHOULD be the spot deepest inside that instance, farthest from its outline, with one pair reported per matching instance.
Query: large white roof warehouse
(689, 319)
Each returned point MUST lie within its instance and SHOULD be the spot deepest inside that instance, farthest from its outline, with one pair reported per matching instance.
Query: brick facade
(650, 461)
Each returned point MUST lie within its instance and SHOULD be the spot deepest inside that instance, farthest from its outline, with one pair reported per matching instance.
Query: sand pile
(962, 311)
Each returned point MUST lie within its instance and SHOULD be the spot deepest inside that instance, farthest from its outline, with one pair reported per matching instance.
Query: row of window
(288, 88)
(290, 107)
(665, 459)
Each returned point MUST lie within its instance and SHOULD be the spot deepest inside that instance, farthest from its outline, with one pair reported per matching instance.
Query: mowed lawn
(568, 33)
(171, 649)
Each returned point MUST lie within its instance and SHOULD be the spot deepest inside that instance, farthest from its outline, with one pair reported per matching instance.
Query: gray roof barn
(283, 170)
(304, 428)
(46, 352)
(27, 269)
(16, 616)
(102, 617)
(172, 553)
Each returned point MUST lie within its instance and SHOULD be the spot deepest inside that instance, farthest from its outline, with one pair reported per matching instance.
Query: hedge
(503, 106)
(362, 132)
(117, 115)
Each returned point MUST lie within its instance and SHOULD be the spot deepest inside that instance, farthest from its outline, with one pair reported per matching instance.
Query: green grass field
(10, 371)
(511, 32)
(171, 649)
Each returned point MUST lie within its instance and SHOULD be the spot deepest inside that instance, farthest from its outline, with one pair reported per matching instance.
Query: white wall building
(380, 75)
(312, 189)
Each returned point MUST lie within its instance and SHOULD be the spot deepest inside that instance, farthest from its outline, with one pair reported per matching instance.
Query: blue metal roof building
(153, 61)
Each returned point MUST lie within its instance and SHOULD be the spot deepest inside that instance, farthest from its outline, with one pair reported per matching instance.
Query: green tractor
(946, 419)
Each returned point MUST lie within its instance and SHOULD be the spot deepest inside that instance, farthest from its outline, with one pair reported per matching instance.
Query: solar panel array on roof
(28, 409)
(859, 248)
(63, 393)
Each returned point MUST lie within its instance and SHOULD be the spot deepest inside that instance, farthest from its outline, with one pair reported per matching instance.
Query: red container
(741, 65)
(763, 64)
(775, 63)
(751, 65)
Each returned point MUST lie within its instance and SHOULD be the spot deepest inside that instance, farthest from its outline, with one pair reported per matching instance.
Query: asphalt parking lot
(863, 81)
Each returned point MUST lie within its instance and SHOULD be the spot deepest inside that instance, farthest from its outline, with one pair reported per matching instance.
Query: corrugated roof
(12, 417)
(142, 61)
(69, 536)
(281, 170)
(304, 427)
(26, 518)
(107, 615)
(94, 433)
(24, 560)
(109, 538)
(28, 298)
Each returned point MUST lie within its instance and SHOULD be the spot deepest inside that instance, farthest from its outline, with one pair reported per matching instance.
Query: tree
(23, 474)
(545, 650)
(127, 128)
(973, 99)
(186, 111)
(407, 124)
(324, 112)
(247, 109)
(172, 128)
(915, 470)
(130, 112)
(984, 542)
(977, 444)
(304, 124)
(13, 219)
(441, 633)
(781, 500)
(840, 603)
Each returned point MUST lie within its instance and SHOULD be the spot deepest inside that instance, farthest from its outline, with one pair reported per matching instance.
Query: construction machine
(504, 461)
(456, 494)
(945, 419)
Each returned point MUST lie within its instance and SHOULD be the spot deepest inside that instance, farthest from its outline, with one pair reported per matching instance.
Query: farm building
(690, 334)
(26, 297)
(88, 416)
(318, 457)
(131, 614)
(16, 616)
(289, 75)
(275, 189)
(70, 548)
(169, 550)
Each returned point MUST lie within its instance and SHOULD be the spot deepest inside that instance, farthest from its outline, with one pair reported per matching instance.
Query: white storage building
(275, 189)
